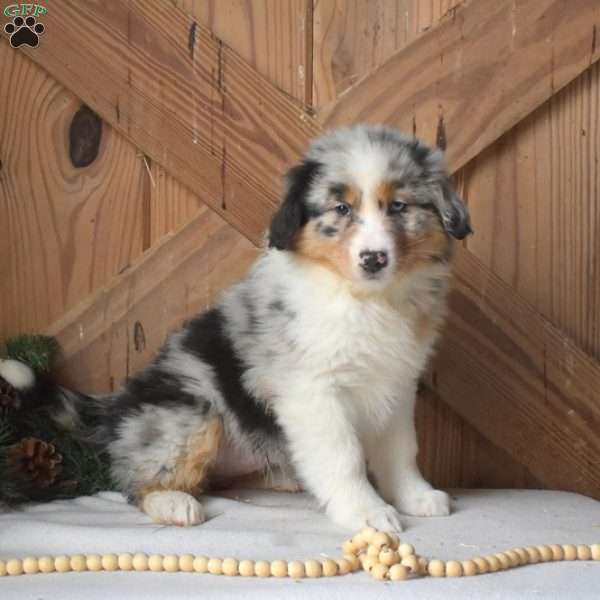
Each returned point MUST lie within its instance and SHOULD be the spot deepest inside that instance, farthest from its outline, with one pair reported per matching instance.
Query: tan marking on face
(431, 245)
(193, 463)
(330, 252)
(352, 197)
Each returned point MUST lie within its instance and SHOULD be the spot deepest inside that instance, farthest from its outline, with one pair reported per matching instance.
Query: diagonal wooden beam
(477, 74)
(518, 379)
(182, 97)
(198, 110)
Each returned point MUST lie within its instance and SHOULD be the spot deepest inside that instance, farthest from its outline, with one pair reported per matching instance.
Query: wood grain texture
(272, 36)
(354, 37)
(118, 329)
(521, 382)
(183, 98)
(64, 231)
(452, 453)
(477, 73)
(535, 199)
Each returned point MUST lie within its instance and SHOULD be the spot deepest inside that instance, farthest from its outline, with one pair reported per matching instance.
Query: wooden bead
(405, 550)
(557, 552)
(482, 565)
(389, 557)
(354, 561)
(313, 568)
(412, 564)
(125, 561)
(570, 552)
(14, 567)
(523, 556)
(215, 566)
(296, 569)
(453, 569)
(246, 568)
(469, 568)
(534, 555)
(186, 563)
(348, 547)
(584, 552)
(330, 568)
(493, 563)
(201, 564)
(344, 566)
(46, 564)
(359, 542)
(436, 568)
(155, 562)
(380, 539)
(279, 568)
(545, 553)
(368, 533)
(423, 565)
(230, 567)
(170, 563)
(93, 562)
(503, 560)
(513, 557)
(30, 565)
(398, 572)
(595, 549)
(78, 563)
(110, 562)
(368, 562)
(62, 564)
(394, 541)
(373, 550)
(140, 562)
(2, 568)
(380, 571)
(262, 568)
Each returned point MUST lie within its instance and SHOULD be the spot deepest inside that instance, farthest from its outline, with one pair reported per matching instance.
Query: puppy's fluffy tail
(52, 440)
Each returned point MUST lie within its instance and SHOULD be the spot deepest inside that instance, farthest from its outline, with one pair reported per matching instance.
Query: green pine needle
(37, 351)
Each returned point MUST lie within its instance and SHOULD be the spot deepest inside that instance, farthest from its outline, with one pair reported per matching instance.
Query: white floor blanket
(269, 525)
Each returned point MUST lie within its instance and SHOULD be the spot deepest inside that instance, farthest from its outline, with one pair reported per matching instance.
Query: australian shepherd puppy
(307, 369)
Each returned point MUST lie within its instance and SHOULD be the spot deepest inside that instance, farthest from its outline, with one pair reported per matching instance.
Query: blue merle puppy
(306, 370)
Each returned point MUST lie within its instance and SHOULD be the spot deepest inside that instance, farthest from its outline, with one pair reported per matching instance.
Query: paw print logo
(24, 32)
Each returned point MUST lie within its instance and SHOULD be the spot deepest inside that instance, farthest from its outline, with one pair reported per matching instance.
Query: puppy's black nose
(373, 260)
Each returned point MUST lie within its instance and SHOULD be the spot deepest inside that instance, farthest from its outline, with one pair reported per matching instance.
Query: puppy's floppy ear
(293, 212)
(452, 211)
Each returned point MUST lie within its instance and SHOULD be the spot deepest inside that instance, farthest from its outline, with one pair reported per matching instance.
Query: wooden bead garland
(380, 554)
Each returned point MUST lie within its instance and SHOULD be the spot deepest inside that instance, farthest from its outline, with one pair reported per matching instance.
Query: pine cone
(9, 395)
(36, 460)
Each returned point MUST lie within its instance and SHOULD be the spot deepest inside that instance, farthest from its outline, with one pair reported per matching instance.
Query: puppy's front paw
(173, 508)
(383, 517)
(426, 503)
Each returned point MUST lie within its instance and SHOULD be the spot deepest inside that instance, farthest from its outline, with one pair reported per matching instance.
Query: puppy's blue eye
(397, 206)
(342, 209)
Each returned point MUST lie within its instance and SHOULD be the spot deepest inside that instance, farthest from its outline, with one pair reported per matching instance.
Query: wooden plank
(272, 36)
(453, 454)
(65, 230)
(535, 199)
(354, 37)
(184, 98)
(520, 381)
(474, 76)
(118, 329)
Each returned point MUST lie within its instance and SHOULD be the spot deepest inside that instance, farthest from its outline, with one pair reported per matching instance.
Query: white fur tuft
(18, 374)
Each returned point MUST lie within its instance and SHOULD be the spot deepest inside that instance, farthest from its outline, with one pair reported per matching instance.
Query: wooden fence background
(112, 255)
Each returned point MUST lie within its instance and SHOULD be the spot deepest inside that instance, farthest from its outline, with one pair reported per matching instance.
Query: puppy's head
(370, 204)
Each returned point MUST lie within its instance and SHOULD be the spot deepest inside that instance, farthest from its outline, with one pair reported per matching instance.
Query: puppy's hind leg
(171, 499)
